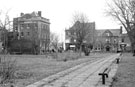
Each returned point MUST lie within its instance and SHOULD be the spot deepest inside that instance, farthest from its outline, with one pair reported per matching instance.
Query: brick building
(111, 40)
(70, 36)
(107, 39)
(33, 27)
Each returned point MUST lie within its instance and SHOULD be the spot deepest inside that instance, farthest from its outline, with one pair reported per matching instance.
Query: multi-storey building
(33, 27)
(70, 36)
(107, 39)
(111, 40)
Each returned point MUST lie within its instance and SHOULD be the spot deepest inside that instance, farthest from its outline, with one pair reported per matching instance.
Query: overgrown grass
(31, 68)
(68, 56)
(8, 69)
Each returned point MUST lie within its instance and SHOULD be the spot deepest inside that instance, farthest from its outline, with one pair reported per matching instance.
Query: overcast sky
(60, 12)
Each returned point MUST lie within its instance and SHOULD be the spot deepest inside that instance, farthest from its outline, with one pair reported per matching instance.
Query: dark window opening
(22, 34)
(122, 40)
(28, 33)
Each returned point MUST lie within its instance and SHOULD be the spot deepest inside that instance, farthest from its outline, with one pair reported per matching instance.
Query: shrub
(69, 56)
(54, 55)
(23, 74)
(7, 70)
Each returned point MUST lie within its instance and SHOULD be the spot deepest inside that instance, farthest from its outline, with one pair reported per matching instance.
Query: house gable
(107, 33)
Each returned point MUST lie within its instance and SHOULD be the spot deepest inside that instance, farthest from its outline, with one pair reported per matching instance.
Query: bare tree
(54, 40)
(81, 28)
(8, 66)
(4, 21)
(5, 25)
(124, 12)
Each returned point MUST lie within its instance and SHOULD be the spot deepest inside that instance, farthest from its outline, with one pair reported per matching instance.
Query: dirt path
(125, 76)
(84, 76)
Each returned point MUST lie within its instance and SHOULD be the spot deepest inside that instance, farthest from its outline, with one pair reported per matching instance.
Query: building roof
(115, 32)
(29, 15)
(32, 16)
(124, 35)
(90, 25)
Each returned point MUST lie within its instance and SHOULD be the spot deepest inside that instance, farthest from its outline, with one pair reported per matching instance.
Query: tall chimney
(120, 29)
(39, 13)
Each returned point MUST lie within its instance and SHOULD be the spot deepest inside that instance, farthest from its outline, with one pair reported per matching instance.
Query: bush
(70, 56)
(54, 55)
(23, 74)
(7, 70)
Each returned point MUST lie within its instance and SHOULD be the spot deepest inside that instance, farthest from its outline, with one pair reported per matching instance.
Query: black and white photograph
(67, 43)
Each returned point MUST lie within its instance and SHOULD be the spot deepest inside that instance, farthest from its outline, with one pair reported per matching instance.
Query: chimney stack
(121, 30)
(21, 14)
(39, 13)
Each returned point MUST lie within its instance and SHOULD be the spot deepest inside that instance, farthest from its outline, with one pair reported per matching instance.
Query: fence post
(104, 75)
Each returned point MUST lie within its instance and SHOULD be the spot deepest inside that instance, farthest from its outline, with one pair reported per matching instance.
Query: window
(72, 39)
(107, 34)
(74, 33)
(22, 34)
(122, 40)
(67, 33)
(28, 26)
(115, 40)
(16, 28)
(108, 40)
(28, 33)
(22, 26)
(35, 26)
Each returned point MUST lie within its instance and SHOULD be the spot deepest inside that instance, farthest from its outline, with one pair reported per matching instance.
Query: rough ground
(125, 76)
(37, 67)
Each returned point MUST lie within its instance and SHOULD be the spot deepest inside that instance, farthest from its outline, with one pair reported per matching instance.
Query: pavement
(83, 75)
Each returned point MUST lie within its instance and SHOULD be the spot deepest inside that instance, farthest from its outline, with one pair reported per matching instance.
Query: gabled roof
(100, 32)
(90, 25)
(115, 32)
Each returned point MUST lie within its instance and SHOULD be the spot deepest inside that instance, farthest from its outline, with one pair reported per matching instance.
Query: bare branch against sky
(124, 12)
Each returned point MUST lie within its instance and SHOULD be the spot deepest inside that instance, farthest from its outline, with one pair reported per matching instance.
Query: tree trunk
(80, 50)
(132, 40)
(133, 49)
